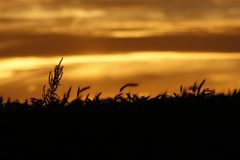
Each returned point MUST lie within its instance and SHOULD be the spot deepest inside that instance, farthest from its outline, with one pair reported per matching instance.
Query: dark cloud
(62, 44)
(171, 9)
(156, 3)
(106, 17)
(175, 9)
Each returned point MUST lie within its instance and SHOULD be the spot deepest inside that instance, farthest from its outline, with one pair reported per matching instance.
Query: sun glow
(26, 63)
(151, 69)
(106, 65)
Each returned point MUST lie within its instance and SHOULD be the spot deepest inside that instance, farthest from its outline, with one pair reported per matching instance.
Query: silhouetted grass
(195, 123)
(193, 98)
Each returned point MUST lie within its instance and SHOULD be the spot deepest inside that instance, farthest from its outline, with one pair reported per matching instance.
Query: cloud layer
(25, 44)
(50, 27)
(101, 17)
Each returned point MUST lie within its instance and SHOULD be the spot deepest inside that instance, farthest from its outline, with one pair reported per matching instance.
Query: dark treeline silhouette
(197, 123)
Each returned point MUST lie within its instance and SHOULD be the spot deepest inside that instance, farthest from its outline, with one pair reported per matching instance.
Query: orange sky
(107, 43)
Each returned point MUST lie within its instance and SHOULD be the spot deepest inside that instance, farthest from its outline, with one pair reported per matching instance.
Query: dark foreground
(194, 124)
(197, 127)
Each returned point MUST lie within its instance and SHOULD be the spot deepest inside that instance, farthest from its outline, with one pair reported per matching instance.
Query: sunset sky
(159, 44)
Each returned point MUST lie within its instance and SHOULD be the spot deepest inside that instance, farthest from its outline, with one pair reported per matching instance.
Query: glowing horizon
(108, 72)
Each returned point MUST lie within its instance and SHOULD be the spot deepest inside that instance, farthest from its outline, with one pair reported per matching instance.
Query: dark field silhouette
(197, 123)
